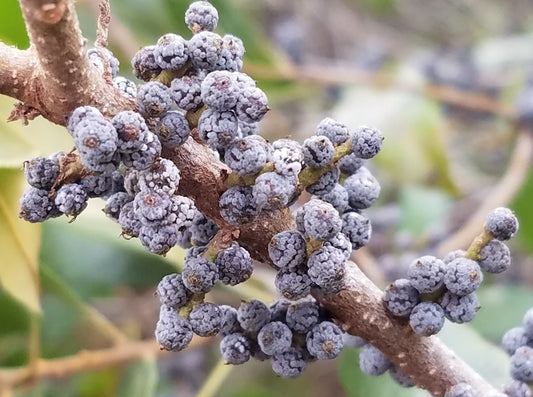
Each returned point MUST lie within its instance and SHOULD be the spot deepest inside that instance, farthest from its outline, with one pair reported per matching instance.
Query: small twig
(85, 360)
(215, 379)
(104, 18)
(501, 195)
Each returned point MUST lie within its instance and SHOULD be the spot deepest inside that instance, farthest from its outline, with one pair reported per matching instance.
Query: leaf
(19, 143)
(423, 208)
(357, 384)
(19, 245)
(139, 379)
(524, 210)
(13, 30)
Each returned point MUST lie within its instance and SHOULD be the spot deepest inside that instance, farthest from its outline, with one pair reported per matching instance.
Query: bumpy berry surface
(302, 316)
(515, 388)
(495, 257)
(272, 190)
(71, 199)
(334, 130)
(366, 142)
(293, 283)
(228, 320)
(172, 291)
(337, 197)
(287, 249)
(341, 243)
(247, 156)
(502, 223)
(363, 189)
(79, 114)
(96, 140)
(289, 364)
(205, 319)
(99, 185)
(278, 310)
(237, 205)
(234, 265)
(325, 341)
(152, 206)
(101, 57)
(522, 364)
(186, 91)
(320, 220)
(372, 361)
(453, 255)
(220, 90)
(154, 99)
(463, 276)
(41, 172)
(205, 49)
(235, 348)
(202, 229)
(114, 204)
(201, 15)
(327, 268)
(158, 239)
(357, 228)
(274, 338)
(171, 52)
(231, 55)
(252, 105)
(144, 157)
(426, 274)
(253, 315)
(36, 206)
(163, 176)
(325, 183)
(459, 309)
(318, 151)
(287, 157)
(218, 129)
(513, 339)
(426, 318)
(144, 65)
(199, 274)
(126, 87)
(350, 164)
(172, 331)
(173, 129)
(401, 297)
(131, 225)
(131, 131)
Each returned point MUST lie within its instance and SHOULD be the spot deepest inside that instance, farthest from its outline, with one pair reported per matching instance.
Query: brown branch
(104, 19)
(429, 363)
(62, 77)
(338, 75)
(84, 361)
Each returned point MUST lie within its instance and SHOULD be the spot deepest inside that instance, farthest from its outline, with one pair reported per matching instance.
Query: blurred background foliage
(360, 61)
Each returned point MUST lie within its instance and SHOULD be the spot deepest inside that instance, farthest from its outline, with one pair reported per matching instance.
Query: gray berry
(228, 320)
(157, 238)
(293, 283)
(172, 291)
(218, 129)
(274, 338)
(463, 276)
(199, 274)
(71, 199)
(366, 142)
(173, 129)
(426, 274)
(363, 189)
(459, 309)
(495, 257)
(201, 15)
(522, 364)
(237, 205)
(172, 331)
(515, 388)
(205, 319)
(186, 91)
(325, 341)
(234, 265)
(41, 172)
(318, 151)
(272, 190)
(253, 315)
(171, 52)
(287, 249)
(302, 316)
(357, 228)
(235, 348)
(247, 156)
(154, 99)
(334, 130)
(427, 318)
(204, 50)
(252, 105)
(502, 223)
(401, 297)
(513, 339)
(220, 90)
(289, 364)
(372, 361)
(36, 206)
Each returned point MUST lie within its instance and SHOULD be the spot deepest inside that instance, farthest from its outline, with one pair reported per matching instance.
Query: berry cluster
(196, 85)
(437, 289)
(289, 334)
(518, 343)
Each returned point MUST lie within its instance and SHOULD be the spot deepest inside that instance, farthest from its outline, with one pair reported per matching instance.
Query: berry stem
(474, 251)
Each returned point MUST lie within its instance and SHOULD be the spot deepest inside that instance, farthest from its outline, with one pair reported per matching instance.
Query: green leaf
(19, 143)
(91, 257)
(524, 211)
(507, 304)
(423, 208)
(357, 384)
(19, 245)
(139, 379)
(12, 28)
(490, 361)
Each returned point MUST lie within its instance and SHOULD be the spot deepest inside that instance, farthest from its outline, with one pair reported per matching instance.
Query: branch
(85, 360)
(57, 75)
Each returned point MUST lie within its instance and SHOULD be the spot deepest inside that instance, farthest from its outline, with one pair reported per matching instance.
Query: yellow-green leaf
(19, 244)
(19, 142)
